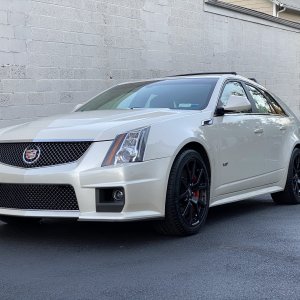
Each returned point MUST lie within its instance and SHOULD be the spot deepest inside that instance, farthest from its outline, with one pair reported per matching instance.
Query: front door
(240, 150)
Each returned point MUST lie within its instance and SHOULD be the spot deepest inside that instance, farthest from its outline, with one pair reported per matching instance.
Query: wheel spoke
(191, 215)
(194, 201)
(184, 195)
(296, 187)
(198, 187)
(183, 181)
(190, 170)
(193, 170)
(196, 209)
(296, 171)
(186, 209)
(199, 177)
(198, 204)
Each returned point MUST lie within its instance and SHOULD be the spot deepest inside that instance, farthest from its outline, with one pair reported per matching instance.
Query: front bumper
(144, 184)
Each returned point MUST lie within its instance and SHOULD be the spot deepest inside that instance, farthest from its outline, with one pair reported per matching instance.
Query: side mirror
(77, 107)
(235, 104)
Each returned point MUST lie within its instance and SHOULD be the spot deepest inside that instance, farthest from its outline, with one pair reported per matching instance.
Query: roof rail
(253, 79)
(206, 73)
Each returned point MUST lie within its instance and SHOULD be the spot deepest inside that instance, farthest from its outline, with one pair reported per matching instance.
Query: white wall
(56, 53)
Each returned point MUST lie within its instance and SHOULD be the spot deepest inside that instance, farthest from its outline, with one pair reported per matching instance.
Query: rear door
(276, 129)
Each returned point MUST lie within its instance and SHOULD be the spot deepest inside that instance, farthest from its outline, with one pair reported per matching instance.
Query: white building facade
(55, 54)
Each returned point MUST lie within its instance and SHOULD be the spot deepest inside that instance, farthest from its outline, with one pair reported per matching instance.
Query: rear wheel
(291, 193)
(187, 199)
(12, 220)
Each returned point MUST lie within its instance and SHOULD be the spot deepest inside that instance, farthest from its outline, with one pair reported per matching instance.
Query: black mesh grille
(50, 153)
(38, 196)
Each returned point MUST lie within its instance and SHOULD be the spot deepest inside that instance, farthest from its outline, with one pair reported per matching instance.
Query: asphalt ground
(247, 250)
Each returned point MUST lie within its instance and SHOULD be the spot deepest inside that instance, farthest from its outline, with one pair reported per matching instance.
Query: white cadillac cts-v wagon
(164, 149)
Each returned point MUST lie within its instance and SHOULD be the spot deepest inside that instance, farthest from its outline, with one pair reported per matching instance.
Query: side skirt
(245, 195)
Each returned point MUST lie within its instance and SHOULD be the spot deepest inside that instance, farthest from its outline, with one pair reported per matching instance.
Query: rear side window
(261, 102)
(278, 109)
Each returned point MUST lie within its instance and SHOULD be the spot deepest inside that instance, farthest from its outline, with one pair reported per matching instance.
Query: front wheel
(187, 199)
(291, 193)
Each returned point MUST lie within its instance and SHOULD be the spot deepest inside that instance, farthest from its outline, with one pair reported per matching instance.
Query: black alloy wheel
(187, 200)
(193, 192)
(296, 176)
(291, 193)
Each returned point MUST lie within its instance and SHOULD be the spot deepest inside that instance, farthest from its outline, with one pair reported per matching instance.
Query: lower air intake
(38, 197)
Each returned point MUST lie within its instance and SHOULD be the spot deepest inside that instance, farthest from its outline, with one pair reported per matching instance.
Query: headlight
(127, 147)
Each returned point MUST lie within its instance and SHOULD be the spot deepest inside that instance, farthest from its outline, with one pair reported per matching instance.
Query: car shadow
(72, 233)
(239, 209)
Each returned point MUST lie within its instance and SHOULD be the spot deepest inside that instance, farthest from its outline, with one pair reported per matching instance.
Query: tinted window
(231, 88)
(191, 94)
(260, 101)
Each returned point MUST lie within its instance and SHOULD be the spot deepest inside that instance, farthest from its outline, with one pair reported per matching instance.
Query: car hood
(92, 125)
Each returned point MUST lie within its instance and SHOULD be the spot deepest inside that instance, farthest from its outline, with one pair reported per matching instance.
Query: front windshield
(190, 94)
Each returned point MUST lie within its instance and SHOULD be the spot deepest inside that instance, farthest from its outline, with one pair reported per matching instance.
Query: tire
(291, 192)
(12, 220)
(187, 199)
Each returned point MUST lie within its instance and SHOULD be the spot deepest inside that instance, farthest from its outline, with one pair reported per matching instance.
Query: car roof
(219, 75)
(224, 75)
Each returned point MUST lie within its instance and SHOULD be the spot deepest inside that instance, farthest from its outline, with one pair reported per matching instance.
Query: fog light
(118, 195)
(110, 199)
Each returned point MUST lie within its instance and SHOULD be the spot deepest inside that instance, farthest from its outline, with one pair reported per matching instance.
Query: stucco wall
(56, 53)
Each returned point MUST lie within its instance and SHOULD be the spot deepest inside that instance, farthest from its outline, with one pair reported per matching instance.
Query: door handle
(258, 130)
(282, 128)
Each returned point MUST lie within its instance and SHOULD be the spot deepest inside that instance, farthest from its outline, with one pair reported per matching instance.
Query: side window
(260, 101)
(278, 109)
(231, 88)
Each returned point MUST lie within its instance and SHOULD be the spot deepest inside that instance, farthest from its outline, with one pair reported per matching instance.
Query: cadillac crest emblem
(31, 154)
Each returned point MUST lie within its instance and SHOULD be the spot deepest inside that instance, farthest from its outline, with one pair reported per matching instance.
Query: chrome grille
(38, 197)
(51, 153)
